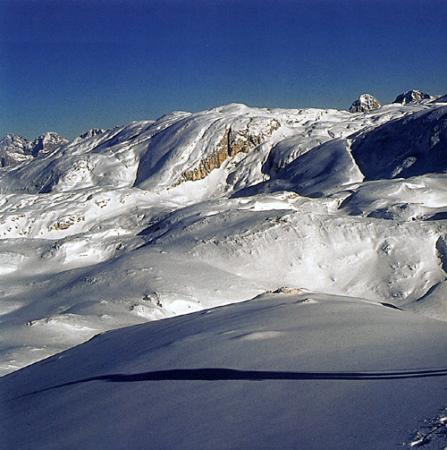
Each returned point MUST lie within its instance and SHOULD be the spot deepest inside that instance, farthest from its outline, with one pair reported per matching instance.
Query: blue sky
(67, 66)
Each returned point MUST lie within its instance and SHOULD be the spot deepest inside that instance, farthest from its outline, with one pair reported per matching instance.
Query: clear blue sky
(67, 66)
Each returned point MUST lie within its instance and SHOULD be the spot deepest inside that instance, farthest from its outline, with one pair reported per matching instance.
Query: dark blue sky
(69, 65)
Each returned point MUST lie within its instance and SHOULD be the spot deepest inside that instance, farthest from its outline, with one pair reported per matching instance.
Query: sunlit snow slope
(196, 210)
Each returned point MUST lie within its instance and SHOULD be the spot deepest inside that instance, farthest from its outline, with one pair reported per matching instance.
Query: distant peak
(92, 132)
(231, 108)
(46, 143)
(412, 96)
(51, 136)
(365, 103)
(13, 150)
(13, 138)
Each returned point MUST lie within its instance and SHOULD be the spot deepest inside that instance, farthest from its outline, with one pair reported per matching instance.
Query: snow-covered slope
(196, 210)
(285, 370)
(405, 147)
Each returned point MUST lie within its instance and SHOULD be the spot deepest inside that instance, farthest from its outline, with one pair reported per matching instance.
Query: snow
(323, 169)
(15, 150)
(333, 373)
(365, 103)
(104, 231)
(411, 96)
(410, 146)
(440, 99)
(334, 222)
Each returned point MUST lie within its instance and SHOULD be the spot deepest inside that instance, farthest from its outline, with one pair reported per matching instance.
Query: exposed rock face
(232, 143)
(365, 103)
(210, 163)
(412, 96)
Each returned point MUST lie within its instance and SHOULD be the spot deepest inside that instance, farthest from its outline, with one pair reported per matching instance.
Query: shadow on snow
(223, 374)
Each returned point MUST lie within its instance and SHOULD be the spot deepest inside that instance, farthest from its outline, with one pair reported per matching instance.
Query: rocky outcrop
(214, 161)
(412, 96)
(365, 103)
(232, 143)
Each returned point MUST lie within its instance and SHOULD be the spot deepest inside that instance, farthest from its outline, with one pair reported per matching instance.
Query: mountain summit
(365, 103)
(412, 96)
(46, 143)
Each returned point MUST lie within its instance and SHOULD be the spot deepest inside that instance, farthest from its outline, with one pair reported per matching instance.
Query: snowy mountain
(15, 149)
(324, 216)
(46, 143)
(91, 133)
(412, 96)
(365, 103)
